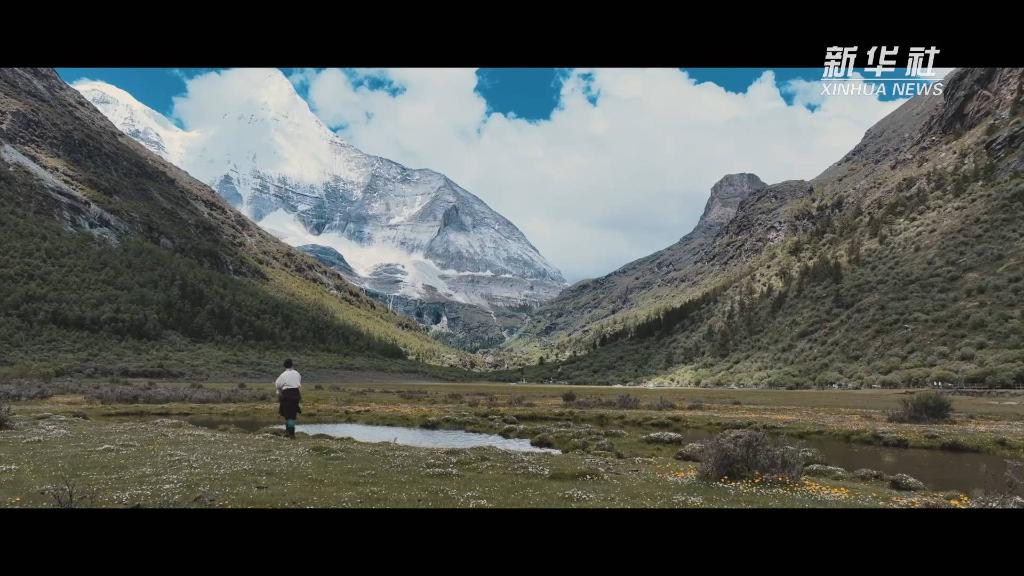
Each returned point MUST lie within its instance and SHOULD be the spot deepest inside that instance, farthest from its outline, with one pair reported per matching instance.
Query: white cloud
(593, 187)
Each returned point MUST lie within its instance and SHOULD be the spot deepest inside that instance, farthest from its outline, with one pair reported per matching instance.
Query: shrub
(627, 402)
(894, 441)
(318, 387)
(1014, 477)
(517, 400)
(664, 438)
(663, 404)
(966, 354)
(190, 395)
(22, 390)
(543, 440)
(740, 454)
(454, 397)
(955, 445)
(66, 493)
(889, 381)
(6, 416)
(928, 406)
(242, 385)
(569, 397)
(1005, 376)
(697, 404)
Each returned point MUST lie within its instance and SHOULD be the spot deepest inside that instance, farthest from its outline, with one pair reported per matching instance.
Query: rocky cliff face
(650, 279)
(974, 94)
(330, 257)
(726, 196)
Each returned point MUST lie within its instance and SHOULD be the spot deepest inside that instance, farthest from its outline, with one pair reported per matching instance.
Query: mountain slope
(899, 265)
(423, 237)
(115, 261)
(647, 281)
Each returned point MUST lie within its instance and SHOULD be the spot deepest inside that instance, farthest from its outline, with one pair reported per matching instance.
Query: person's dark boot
(291, 433)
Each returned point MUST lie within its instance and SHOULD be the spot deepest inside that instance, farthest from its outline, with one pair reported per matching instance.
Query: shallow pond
(419, 437)
(938, 469)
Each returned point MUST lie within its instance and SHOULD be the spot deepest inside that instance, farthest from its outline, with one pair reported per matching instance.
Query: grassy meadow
(159, 444)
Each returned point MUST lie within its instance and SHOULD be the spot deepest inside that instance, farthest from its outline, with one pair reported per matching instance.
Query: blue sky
(529, 93)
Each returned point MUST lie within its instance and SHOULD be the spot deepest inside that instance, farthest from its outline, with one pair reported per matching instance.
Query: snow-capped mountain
(407, 232)
(135, 119)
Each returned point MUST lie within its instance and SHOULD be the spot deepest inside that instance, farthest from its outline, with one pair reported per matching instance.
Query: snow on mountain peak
(139, 121)
(253, 138)
(255, 118)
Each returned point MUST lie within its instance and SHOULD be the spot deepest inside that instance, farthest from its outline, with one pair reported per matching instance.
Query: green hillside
(116, 262)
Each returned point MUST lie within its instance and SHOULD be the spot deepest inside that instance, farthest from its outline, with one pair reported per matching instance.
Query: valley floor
(223, 455)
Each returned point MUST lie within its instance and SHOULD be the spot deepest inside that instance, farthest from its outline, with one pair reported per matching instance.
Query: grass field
(122, 454)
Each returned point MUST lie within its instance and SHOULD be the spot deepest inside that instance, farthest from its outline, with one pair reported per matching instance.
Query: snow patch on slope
(369, 260)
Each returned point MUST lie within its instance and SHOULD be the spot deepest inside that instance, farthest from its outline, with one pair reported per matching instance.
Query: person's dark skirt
(289, 403)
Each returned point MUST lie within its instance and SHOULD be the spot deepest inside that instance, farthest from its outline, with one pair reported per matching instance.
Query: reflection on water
(938, 469)
(420, 437)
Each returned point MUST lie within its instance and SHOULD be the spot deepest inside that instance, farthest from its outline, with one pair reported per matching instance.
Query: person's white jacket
(290, 378)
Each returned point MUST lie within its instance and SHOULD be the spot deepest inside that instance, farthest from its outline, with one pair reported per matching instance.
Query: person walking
(288, 396)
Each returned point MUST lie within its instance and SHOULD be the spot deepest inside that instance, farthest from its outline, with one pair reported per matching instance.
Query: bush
(6, 416)
(543, 440)
(697, 404)
(955, 445)
(663, 404)
(67, 494)
(167, 395)
(740, 454)
(627, 402)
(966, 354)
(569, 397)
(928, 406)
(517, 400)
(318, 387)
(23, 390)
